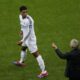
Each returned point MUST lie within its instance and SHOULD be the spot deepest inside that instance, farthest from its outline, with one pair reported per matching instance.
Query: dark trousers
(72, 78)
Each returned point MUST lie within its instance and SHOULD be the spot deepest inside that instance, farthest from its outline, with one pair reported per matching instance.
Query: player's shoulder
(30, 17)
(20, 17)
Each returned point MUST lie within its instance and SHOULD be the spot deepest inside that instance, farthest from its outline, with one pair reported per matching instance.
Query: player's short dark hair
(23, 8)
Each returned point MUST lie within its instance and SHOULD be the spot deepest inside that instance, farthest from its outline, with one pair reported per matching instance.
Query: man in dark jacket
(72, 70)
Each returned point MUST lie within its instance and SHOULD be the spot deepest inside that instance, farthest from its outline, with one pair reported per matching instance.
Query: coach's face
(24, 13)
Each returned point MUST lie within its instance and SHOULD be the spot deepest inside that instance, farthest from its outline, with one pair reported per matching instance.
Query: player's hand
(54, 46)
(21, 32)
(19, 43)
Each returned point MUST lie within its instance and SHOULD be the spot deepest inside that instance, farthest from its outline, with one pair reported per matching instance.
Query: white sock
(23, 54)
(41, 63)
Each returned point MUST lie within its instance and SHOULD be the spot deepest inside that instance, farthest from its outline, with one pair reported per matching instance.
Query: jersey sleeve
(31, 21)
(20, 18)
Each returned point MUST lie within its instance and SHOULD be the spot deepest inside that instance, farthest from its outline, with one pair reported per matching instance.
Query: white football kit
(29, 37)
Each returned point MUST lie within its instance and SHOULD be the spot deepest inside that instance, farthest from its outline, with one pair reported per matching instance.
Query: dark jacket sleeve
(62, 55)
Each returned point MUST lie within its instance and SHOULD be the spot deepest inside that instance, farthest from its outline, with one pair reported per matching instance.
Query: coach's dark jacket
(73, 62)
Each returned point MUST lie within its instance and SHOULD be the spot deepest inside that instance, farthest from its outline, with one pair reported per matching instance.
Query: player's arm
(24, 38)
(21, 32)
(60, 53)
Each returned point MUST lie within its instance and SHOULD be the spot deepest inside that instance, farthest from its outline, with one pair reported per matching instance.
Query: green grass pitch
(55, 20)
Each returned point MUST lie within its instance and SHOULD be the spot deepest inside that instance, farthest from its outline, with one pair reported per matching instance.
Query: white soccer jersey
(27, 24)
(27, 27)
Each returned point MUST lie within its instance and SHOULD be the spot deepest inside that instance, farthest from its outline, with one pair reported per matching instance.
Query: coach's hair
(22, 8)
(74, 43)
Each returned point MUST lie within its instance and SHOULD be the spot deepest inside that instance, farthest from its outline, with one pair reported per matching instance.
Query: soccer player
(28, 41)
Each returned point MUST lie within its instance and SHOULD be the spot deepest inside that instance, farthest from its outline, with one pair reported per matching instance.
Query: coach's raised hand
(54, 46)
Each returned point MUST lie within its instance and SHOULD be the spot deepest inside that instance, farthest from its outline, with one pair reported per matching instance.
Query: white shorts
(32, 46)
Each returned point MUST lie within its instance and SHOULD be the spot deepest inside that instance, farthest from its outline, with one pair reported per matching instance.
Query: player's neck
(24, 17)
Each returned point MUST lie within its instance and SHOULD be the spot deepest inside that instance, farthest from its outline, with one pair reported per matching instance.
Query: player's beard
(24, 16)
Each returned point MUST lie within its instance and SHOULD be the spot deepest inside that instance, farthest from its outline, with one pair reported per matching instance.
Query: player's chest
(25, 22)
